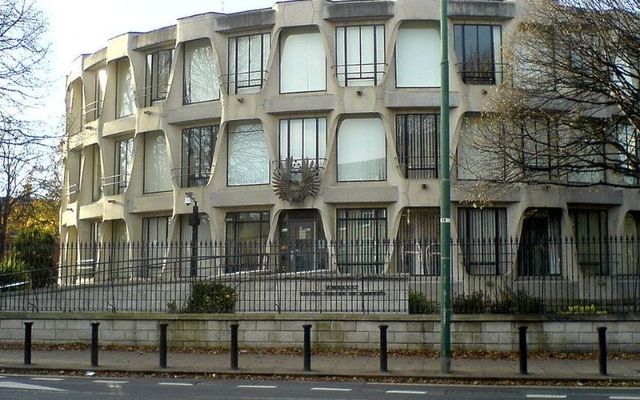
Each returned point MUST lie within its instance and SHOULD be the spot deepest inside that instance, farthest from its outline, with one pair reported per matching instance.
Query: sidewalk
(405, 367)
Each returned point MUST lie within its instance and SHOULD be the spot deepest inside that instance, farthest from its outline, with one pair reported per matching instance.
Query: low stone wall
(469, 332)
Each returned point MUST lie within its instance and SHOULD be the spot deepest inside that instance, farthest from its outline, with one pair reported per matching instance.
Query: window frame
(403, 149)
(281, 43)
(586, 244)
(118, 173)
(144, 162)
(495, 72)
(233, 72)
(96, 174)
(228, 140)
(234, 247)
(201, 133)
(528, 264)
(118, 105)
(319, 161)
(184, 71)
(468, 240)
(378, 75)
(347, 244)
(152, 91)
(386, 150)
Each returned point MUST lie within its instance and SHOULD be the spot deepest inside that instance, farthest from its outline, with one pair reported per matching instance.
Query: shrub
(519, 302)
(583, 310)
(36, 249)
(211, 297)
(475, 303)
(12, 271)
(419, 304)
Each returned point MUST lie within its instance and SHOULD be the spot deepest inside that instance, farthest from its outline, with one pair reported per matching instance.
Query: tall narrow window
(157, 174)
(197, 155)
(417, 144)
(362, 150)
(479, 54)
(629, 139)
(360, 55)
(591, 235)
(539, 149)
(248, 57)
(157, 76)
(200, 73)
(418, 246)
(482, 237)
(417, 56)
(96, 173)
(247, 155)
(123, 164)
(247, 234)
(361, 235)
(155, 234)
(125, 101)
(540, 246)
(303, 65)
(94, 109)
(90, 254)
(587, 168)
(304, 138)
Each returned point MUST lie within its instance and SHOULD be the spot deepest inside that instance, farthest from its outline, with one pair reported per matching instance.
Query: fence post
(234, 345)
(523, 349)
(163, 345)
(94, 343)
(602, 342)
(383, 348)
(307, 347)
(27, 342)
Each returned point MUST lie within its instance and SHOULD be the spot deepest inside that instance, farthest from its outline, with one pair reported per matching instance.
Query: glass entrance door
(302, 242)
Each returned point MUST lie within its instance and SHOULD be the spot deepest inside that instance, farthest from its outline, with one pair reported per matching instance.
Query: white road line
(327, 389)
(624, 397)
(26, 386)
(174, 384)
(47, 379)
(111, 382)
(404, 392)
(546, 396)
(256, 386)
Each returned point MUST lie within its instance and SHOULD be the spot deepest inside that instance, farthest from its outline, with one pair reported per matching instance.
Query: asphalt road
(26, 387)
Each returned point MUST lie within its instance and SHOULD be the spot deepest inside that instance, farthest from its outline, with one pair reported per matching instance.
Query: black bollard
(94, 343)
(163, 345)
(383, 348)
(234, 346)
(27, 342)
(602, 341)
(523, 350)
(307, 347)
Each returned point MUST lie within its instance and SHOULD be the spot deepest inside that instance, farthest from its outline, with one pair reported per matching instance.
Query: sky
(84, 26)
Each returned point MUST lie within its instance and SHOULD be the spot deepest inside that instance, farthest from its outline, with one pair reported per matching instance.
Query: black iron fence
(500, 276)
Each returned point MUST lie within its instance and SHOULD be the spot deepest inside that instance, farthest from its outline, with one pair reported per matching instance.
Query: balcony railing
(149, 95)
(115, 184)
(190, 176)
(360, 74)
(482, 73)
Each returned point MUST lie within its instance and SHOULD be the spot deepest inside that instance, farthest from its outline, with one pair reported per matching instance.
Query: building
(348, 91)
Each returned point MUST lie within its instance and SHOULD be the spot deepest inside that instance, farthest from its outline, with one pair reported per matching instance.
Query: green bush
(12, 271)
(475, 303)
(211, 297)
(37, 249)
(584, 310)
(519, 302)
(419, 304)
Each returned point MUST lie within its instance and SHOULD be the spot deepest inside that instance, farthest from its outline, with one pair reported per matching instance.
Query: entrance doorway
(303, 246)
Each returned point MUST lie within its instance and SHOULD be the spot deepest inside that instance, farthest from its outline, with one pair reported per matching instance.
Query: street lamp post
(194, 221)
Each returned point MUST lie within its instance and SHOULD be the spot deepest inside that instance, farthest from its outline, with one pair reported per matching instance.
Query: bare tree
(570, 112)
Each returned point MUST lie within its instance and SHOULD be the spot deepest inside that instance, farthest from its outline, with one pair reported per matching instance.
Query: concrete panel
(358, 10)
(309, 103)
(353, 193)
(493, 10)
(412, 98)
(256, 19)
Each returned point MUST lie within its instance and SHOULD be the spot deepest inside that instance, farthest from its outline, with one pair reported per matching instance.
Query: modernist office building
(314, 119)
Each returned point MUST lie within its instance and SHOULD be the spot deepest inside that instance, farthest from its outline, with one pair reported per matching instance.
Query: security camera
(187, 200)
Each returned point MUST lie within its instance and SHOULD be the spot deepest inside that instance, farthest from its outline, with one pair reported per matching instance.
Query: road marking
(26, 386)
(174, 384)
(624, 398)
(327, 389)
(111, 382)
(257, 386)
(404, 392)
(546, 396)
(47, 379)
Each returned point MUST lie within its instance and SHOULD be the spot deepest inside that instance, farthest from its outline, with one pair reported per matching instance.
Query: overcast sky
(84, 26)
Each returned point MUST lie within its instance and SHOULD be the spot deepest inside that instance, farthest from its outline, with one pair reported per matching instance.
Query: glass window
(94, 109)
(479, 54)
(362, 150)
(360, 55)
(197, 155)
(155, 235)
(591, 235)
(417, 144)
(247, 234)
(539, 149)
(303, 138)
(540, 247)
(474, 161)
(157, 76)
(120, 250)
(248, 57)
(628, 138)
(630, 245)
(361, 235)
(200, 73)
(90, 254)
(124, 89)
(157, 174)
(586, 168)
(96, 173)
(418, 246)
(303, 66)
(418, 56)
(123, 165)
(248, 157)
(482, 236)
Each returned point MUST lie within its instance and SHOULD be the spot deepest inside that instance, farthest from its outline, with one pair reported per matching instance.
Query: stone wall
(478, 332)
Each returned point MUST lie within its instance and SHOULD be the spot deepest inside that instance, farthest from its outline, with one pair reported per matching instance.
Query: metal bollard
(523, 349)
(602, 341)
(383, 348)
(163, 345)
(234, 346)
(307, 347)
(27, 342)
(94, 343)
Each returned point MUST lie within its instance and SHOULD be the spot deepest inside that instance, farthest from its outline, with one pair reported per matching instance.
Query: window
(629, 137)
(75, 117)
(155, 235)
(630, 245)
(90, 254)
(157, 177)
(205, 249)
(418, 246)
(120, 250)
(248, 157)
(540, 151)
(586, 168)
(478, 50)
(475, 161)
(96, 173)
(303, 138)
(157, 76)
(418, 56)
(197, 155)
(540, 247)
(124, 89)
(123, 164)
(200, 73)
(361, 235)
(417, 144)
(591, 235)
(482, 239)
(362, 150)
(94, 109)
(360, 55)
(303, 65)
(248, 57)
(247, 234)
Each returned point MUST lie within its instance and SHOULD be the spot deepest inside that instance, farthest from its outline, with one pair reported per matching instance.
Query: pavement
(339, 366)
